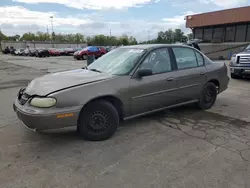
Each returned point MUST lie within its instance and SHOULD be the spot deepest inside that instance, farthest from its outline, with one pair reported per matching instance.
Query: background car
(240, 64)
(19, 51)
(42, 52)
(69, 51)
(6, 50)
(90, 50)
(12, 50)
(32, 52)
(26, 52)
(102, 51)
(54, 52)
(128, 82)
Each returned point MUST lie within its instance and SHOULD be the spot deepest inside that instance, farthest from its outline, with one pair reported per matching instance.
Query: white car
(19, 51)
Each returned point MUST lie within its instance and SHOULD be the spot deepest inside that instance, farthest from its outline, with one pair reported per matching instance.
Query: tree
(132, 40)
(79, 38)
(165, 37)
(28, 37)
(124, 40)
(190, 36)
(160, 37)
(178, 35)
(169, 36)
(42, 36)
(14, 38)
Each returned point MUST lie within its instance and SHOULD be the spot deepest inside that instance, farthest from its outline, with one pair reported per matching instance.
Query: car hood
(247, 52)
(50, 83)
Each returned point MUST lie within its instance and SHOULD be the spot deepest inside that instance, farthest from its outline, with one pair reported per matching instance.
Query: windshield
(117, 62)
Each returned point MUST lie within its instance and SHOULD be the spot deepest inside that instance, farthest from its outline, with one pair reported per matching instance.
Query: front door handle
(170, 79)
(202, 73)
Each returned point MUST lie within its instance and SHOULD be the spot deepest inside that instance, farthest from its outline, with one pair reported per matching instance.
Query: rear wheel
(208, 96)
(98, 121)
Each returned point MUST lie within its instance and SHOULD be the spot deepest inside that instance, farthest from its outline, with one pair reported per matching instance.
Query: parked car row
(40, 52)
(78, 53)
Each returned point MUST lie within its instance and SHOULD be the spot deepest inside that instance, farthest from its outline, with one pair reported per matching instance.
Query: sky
(142, 19)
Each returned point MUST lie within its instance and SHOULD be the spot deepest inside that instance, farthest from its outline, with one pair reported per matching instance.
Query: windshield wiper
(95, 70)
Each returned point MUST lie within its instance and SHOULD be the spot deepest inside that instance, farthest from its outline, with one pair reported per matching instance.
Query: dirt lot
(183, 147)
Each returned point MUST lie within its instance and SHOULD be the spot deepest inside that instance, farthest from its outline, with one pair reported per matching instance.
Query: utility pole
(51, 17)
(47, 32)
(52, 29)
(110, 32)
(148, 35)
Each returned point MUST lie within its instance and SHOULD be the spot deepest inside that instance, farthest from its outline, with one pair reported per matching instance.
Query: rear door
(191, 73)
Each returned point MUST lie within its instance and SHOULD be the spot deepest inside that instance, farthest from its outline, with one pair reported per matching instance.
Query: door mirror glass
(144, 72)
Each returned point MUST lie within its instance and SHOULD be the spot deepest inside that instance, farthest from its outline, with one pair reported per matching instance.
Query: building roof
(236, 15)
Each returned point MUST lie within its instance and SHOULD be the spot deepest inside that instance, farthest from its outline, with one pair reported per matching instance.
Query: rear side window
(200, 59)
(185, 58)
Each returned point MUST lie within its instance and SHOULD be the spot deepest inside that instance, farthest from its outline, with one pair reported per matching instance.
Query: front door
(157, 90)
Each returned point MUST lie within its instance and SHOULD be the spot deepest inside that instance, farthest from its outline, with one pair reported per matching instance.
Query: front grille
(245, 59)
(237, 59)
(24, 98)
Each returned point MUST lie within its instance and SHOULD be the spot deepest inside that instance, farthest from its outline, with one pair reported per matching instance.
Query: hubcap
(98, 122)
(208, 96)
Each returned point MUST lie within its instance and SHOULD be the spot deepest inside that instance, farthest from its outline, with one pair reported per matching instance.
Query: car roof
(152, 46)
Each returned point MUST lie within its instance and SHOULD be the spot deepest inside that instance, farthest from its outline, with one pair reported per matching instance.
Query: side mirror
(143, 72)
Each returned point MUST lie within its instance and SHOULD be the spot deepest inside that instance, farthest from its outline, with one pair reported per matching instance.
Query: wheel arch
(215, 82)
(115, 101)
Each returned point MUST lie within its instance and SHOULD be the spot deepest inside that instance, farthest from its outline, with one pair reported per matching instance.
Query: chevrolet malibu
(127, 82)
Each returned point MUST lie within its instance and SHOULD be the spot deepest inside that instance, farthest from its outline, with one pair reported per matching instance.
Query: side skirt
(160, 109)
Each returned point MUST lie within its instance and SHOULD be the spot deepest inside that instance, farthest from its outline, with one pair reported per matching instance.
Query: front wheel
(98, 121)
(208, 96)
(84, 57)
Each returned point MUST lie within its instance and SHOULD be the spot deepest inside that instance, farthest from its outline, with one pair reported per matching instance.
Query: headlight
(233, 58)
(43, 102)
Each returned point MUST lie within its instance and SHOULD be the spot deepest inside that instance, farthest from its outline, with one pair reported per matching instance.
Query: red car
(102, 50)
(54, 52)
(90, 50)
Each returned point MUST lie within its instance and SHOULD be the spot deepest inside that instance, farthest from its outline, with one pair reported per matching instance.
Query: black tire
(98, 121)
(208, 96)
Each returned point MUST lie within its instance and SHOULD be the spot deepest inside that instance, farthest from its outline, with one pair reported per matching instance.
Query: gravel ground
(182, 147)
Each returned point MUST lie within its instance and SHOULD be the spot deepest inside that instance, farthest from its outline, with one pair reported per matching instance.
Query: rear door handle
(202, 73)
(170, 79)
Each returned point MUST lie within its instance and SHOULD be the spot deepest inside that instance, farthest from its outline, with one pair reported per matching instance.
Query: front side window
(185, 57)
(118, 62)
(158, 61)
